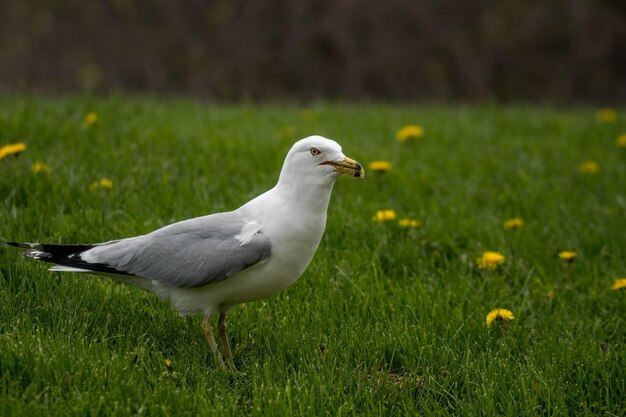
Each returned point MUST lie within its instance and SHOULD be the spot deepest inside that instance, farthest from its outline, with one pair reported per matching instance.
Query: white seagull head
(317, 160)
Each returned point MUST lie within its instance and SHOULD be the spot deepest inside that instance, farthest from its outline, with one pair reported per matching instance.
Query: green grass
(385, 321)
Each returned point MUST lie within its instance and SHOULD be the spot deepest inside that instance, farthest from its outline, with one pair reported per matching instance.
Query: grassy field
(387, 320)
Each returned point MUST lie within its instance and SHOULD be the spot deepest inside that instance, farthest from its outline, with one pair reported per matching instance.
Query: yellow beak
(347, 166)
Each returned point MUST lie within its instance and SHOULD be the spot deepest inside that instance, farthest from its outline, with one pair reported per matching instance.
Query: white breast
(295, 230)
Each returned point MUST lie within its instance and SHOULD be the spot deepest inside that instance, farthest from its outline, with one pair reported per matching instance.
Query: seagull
(207, 265)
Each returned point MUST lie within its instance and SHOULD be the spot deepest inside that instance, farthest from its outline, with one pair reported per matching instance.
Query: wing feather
(187, 254)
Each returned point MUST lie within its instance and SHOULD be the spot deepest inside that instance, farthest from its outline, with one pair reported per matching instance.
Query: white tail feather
(61, 268)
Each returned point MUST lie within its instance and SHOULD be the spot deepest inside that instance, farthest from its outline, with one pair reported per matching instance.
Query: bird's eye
(315, 151)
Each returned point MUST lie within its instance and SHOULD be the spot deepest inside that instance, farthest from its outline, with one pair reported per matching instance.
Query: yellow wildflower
(619, 284)
(169, 366)
(91, 118)
(514, 223)
(409, 223)
(621, 141)
(102, 183)
(490, 260)
(567, 255)
(38, 167)
(409, 132)
(384, 215)
(106, 183)
(606, 115)
(499, 314)
(550, 294)
(12, 149)
(380, 166)
(589, 167)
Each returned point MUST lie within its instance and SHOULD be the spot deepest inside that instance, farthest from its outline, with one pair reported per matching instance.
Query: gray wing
(190, 253)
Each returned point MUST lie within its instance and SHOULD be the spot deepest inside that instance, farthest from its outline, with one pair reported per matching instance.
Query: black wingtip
(64, 255)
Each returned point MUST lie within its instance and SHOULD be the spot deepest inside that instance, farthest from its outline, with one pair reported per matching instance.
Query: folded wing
(187, 254)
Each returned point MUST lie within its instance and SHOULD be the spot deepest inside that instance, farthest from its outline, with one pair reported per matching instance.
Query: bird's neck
(312, 193)
(305, 200)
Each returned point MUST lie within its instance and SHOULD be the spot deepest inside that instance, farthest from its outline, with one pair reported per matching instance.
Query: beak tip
(359, 171)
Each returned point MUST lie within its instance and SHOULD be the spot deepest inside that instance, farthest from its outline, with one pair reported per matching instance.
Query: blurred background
(395, 50)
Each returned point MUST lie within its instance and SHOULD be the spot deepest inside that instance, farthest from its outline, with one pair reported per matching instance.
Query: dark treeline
(555, 50)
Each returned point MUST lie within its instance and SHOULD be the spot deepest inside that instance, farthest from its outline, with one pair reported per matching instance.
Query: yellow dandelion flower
(619, 284)
(567, 255)
(589, 167)
(550, 294)
(409, 132)
(621, 141)
(102, 183)
(499, 314)
(38, 167)
(169, 366)
(490, 260)
(606, 115)
(514, 223)
(384, 215)
(409, 223)
(91, 118)
(380, 166)
(12, 149)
